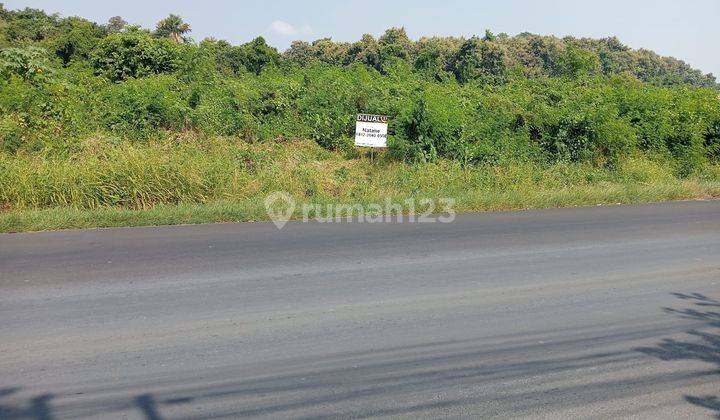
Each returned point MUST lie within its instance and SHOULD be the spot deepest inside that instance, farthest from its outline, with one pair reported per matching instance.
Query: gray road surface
(588, 312)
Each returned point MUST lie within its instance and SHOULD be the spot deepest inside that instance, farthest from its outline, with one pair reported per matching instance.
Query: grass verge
(254, 210)
(221, 180)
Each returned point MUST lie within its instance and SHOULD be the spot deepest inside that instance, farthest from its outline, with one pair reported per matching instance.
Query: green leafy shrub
(576, 62)
(330, 101)
(481, 60)
(712, 140)
(78, 39)
(29, 63)
(431, 128)
(11, 133)
(134, 53)
(221, 109)
(137, 109)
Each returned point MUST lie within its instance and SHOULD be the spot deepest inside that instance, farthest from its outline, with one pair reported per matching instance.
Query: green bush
(712, 140)
(481, 60)
(220, 109)
(331, 99)
(11, 133)
(29, 63)
(134, 53)
(77, 40)
(432, 127)
(138, 108)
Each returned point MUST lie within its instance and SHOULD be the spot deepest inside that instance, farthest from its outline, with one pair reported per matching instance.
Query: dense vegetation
(76, 93)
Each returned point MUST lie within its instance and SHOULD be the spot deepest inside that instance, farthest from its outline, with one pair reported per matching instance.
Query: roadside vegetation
(112, 125)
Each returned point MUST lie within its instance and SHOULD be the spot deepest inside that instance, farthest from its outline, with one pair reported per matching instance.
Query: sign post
(371, 131)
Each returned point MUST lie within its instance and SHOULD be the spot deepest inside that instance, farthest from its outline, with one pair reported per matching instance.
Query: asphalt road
(586, 312)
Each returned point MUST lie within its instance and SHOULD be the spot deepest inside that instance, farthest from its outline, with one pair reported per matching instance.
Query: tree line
(67, 84)
(119, 50)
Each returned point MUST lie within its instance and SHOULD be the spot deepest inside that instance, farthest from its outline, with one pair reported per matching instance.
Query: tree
(329, 52)
(576, 62)
(479, 59)
(172, 27)
(258, 54)
(396, 36)
(300, 53)
(537, 55)
(77, 40)
(227, 60)
(365, 51)
(394, 43)
(115, 24)
(134, 53)
(31, 25)
(434, 55)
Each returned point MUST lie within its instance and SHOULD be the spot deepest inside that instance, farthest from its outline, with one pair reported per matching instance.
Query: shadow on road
(701, 345)
(419, 379)
(366, 384)
(38, 407)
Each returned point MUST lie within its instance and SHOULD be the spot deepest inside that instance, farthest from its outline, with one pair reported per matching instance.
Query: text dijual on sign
(371, 130)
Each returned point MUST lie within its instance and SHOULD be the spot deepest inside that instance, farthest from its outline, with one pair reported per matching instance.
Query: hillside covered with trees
(72, 89)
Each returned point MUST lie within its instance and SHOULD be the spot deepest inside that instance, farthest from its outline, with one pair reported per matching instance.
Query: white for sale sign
(371, 130)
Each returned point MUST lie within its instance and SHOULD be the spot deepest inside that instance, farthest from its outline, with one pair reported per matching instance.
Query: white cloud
(280, 27)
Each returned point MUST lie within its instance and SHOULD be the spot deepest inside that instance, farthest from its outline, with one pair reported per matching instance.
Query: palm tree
(173, 27)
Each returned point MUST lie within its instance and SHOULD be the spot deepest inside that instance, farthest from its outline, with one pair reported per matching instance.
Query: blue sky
(689, 29)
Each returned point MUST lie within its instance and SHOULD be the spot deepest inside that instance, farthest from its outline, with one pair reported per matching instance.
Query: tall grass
(189, 179)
